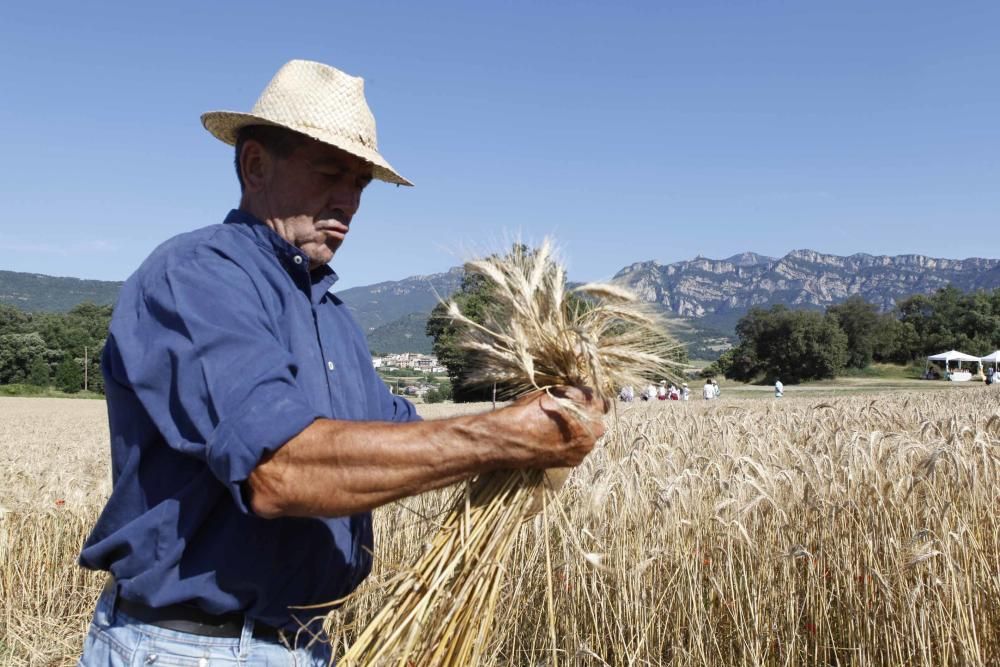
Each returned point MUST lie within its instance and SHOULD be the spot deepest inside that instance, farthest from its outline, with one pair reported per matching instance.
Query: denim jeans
(116, 640)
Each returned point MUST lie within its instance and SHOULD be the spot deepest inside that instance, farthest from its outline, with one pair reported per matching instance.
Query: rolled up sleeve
(198, 347)
(395, 408)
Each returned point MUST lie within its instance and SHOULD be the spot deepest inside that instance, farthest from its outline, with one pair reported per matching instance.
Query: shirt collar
(318, 282)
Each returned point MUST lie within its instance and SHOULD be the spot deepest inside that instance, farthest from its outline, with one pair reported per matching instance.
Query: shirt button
(297, 259)
(329, 365)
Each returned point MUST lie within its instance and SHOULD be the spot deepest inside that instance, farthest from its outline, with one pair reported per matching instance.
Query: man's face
(310, 198)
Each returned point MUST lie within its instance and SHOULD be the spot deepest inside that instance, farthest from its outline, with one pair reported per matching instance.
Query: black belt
(185, 618)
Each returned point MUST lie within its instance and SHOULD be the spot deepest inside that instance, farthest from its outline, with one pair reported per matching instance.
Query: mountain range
(717, 292)
(703, 298)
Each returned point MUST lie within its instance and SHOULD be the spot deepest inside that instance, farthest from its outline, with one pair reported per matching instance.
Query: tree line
(50, 349)
(58, 350)
(796, 345)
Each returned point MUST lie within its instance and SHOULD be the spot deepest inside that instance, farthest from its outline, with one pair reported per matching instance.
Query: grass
(912, 371)
(43, 392)
(874, 371)
(847, 530)
(846, 386)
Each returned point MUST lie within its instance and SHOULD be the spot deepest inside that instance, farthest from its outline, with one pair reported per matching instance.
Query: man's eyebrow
(335, 163)
(330, 162)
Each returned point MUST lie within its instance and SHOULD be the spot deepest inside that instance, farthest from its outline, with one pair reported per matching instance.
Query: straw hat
(316, 100)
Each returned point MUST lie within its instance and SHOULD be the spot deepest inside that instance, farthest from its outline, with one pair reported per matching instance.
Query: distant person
(779, 389)
(649, 393)
(674, 394)
(990, 373)
(715, 387)
(627, 394)
(685, 392)
(662, 391)
(708, 391)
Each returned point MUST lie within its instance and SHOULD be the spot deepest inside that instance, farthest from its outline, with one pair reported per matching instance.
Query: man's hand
(559, 436)
(545, 432)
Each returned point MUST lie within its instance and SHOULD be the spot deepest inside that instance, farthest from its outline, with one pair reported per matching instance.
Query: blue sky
(629, 131)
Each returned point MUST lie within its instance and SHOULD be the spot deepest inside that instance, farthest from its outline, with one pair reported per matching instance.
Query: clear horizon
(630, 133)
(341, 286)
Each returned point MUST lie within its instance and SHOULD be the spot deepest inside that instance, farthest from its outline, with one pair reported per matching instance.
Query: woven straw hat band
(316, 100)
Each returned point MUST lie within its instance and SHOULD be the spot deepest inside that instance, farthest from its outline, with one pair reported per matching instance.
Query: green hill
(403, 335)
(37, 293)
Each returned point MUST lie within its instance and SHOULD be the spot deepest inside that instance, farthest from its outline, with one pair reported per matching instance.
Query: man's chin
(322, 256)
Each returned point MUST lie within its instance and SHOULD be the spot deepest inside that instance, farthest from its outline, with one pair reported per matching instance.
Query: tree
(18, 353)
(69, 377)
(474, 300)
(859, 320)
(947, 319)
(38, 372)
(29, 341)
(792, 345)
(95, 378)
(13, 320)
(444, 390)
(737, 363)
(84, 326)
(894, 341)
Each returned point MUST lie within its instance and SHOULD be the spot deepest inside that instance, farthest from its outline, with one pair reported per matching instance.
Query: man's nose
(347, 203)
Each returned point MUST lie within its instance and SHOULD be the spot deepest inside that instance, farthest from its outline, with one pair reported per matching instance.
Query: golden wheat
(862, 530)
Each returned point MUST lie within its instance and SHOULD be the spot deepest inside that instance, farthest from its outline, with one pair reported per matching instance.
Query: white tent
(952, 355)
(947, 357)
(992, 359)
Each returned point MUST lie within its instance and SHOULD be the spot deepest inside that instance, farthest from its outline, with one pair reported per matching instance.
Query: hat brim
(225, 126)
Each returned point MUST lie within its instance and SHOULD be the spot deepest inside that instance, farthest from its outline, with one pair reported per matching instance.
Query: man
(250, 435)
(779, 389)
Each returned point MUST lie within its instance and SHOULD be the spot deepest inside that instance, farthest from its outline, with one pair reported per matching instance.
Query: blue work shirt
(224, 346)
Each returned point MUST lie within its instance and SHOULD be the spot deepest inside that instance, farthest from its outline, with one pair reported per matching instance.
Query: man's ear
(255, 165)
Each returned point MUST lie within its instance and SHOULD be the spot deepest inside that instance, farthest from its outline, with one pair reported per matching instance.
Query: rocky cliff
(719, 291)
(705, 296)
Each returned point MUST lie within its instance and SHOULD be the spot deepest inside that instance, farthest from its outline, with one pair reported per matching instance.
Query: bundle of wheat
(537, 336)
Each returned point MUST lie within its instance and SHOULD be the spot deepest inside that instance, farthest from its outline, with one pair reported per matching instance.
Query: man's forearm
(334, 468)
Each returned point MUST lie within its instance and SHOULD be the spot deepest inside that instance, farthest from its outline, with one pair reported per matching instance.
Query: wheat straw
(536, 336)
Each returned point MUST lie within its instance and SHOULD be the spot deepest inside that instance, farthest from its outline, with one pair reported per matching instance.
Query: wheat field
(859, 530)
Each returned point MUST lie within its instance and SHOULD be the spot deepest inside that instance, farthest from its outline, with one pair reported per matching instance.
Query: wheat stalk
(537, 336)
